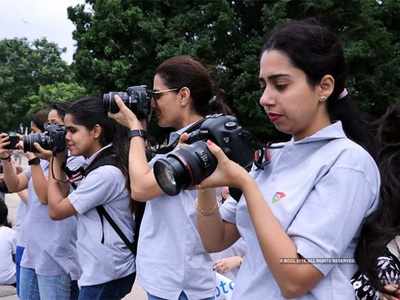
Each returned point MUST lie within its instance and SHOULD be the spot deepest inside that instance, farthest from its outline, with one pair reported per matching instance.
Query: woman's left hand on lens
(227, 173)
(125, 116)
(42, 153)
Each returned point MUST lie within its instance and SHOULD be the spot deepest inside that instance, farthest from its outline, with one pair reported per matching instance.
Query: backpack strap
(107, 157)
(102, 212)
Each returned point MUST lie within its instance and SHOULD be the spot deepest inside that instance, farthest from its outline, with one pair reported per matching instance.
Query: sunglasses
(156, 94)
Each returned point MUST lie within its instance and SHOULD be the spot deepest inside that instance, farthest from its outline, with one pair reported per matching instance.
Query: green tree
(59, 91)
(24, 67)
(120, 43)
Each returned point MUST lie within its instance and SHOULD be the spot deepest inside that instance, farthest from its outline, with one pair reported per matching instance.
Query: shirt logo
(278, 196)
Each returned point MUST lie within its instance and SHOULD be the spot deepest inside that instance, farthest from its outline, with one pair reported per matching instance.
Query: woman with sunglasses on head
(301, 214)
(107, 263)
(49, 261)
(172, 263)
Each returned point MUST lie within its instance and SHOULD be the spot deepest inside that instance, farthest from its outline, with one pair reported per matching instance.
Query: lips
(274, 116)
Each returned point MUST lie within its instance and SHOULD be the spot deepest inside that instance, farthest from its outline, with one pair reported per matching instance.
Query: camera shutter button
(230, 125)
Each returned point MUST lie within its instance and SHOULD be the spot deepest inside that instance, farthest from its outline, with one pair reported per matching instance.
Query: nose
(68, 136)
(153, 103)
(267, 98)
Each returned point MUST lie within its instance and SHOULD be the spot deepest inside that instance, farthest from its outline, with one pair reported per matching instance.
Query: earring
(323, 98)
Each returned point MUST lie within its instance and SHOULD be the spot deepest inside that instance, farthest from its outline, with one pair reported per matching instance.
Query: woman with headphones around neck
(171, 262)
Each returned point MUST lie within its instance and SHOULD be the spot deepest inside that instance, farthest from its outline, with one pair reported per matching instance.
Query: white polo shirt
(7, 250)
(171, 257)
(49, 245)
(111, 259)
(321, 189)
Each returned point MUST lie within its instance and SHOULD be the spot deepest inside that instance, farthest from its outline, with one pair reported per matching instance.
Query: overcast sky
(39, 18)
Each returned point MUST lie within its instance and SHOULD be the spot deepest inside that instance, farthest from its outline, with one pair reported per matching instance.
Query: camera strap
(107, 157)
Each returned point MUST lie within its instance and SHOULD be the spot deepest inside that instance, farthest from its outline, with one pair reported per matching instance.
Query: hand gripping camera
(136, 98)
(52, 139)
(191, 163)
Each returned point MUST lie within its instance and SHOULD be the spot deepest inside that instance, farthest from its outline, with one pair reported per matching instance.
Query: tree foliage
(120, 43)
(24, 67)
(57, 92)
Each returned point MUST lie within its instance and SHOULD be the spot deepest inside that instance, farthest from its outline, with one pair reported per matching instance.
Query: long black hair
(4, 214)
(317, 51)
(89, 112)
(384, 224)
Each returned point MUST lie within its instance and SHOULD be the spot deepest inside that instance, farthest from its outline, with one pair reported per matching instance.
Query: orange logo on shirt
(278, 196)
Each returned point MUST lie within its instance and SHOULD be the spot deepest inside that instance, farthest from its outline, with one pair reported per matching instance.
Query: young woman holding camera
(301, 214)
(172, 263)
(49, 262)
(108, 265)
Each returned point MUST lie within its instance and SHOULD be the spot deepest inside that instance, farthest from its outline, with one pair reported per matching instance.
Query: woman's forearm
(11, 178)
(143, 183)
(57, 190)
(39, 183)
(216, 235)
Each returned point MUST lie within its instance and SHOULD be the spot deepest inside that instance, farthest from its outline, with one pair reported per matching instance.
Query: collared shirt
(320, 189)
(111, 259)
(171, 257)
(50, 247)
(7, 250)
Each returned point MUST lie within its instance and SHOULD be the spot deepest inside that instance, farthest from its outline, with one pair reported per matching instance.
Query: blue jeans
(182, 296)
(18, 256)
(112, 290)
(39, 287)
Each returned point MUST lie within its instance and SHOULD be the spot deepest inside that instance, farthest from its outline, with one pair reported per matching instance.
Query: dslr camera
(190, 163)
(137, 98)
(52, 139)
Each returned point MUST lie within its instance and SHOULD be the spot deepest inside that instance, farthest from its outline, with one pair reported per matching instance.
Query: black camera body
(52, 139)
(191, 163)
(13, 138)
(137, 98)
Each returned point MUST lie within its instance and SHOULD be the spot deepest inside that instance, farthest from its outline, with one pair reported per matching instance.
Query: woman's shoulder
(7, 231)
(107, 172)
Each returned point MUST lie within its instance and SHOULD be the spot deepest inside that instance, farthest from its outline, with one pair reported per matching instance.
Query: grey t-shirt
(49, 245)
(110, 260)
(320, 189)
(171, 257)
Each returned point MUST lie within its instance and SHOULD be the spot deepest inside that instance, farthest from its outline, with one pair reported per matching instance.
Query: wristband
(8, 158)
(34, 161)
(137, 132)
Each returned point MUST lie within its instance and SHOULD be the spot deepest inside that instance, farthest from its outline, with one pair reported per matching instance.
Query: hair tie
(343, 94)
(212, 100)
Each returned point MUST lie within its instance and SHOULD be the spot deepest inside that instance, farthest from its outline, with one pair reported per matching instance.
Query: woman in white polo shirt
(171, 262)
(300, 214)
(107, 263)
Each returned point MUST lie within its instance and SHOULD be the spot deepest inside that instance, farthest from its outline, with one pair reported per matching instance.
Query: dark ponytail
(384, 224)
(4, 215)
(318, 52)
(39, 118)
(185, 71)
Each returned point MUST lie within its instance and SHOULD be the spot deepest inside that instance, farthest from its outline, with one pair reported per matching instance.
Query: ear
(96, 131)
(184, 94)
(326, 87)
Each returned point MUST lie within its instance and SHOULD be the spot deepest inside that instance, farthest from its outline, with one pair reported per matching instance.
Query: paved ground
(12, 201)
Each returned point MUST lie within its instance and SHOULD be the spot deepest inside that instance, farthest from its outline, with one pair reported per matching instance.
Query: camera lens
(109, 102)
(184, 167)
(42, 139)
(170, 175)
